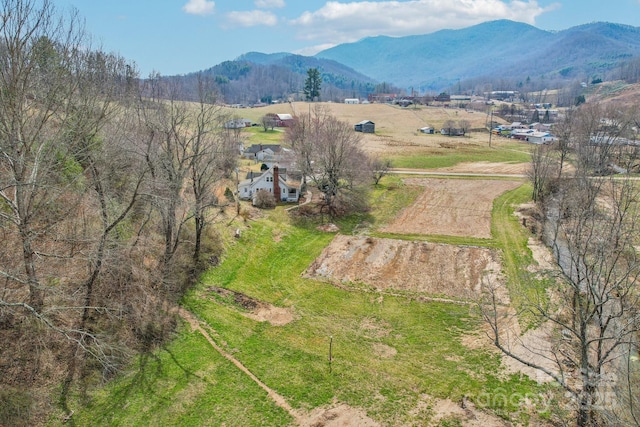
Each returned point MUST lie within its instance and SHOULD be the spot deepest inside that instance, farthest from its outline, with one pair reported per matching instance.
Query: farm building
(366, 126)
(263, 152)
(452, 131)
(426, 129)
(273, 180)
(283, 120)
(352, 101)
(237, 124)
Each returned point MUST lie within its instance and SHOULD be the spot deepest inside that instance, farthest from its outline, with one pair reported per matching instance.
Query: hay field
(396, 127)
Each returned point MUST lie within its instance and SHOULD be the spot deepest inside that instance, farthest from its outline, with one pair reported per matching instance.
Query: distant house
(366, 126)
(273, 180)
(382, 97)
(427, 129)
(452, 131)
(263, 152)
(237, 124)
(443, 97)
(352, 101)
(533, 136)
(284, 120)
(540, 138)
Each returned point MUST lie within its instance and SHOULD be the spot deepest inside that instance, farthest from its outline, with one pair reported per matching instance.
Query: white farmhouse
(273, 180)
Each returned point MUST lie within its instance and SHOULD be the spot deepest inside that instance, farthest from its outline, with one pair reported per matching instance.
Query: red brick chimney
(276, 184)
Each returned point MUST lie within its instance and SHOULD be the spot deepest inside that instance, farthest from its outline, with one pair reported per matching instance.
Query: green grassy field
(440, 158)
(188, 383)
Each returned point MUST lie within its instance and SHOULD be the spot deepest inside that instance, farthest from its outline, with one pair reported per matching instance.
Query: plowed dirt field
(451, 207)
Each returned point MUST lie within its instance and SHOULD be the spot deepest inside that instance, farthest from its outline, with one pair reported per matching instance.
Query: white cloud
(269, 4)
(337, 22)
(252, 18)
(312, 50)
(199, 7)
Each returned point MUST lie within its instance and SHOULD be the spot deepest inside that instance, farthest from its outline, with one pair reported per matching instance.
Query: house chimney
(276, 184)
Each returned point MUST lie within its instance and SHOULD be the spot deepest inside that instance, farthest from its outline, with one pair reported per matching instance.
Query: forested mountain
(503, 54)
(257, 77)
(505, 49)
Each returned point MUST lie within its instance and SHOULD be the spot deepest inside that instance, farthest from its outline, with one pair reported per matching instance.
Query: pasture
(375, 325)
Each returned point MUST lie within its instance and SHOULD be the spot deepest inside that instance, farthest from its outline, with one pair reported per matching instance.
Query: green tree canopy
(312, 84)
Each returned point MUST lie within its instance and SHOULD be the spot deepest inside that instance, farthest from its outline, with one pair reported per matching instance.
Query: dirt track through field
(340, 415)
(279, 400)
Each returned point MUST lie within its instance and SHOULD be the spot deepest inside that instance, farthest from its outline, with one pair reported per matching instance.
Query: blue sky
(182, 36)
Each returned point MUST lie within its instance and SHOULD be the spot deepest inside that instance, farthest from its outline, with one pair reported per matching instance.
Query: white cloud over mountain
(339, 22)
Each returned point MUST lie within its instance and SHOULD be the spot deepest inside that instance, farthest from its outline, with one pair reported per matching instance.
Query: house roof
(257, 177)
(256, 148)
(285, 116)
(364, 122)
(256, 174)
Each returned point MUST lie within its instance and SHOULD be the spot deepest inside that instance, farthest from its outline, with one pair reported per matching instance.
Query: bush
(264, 200)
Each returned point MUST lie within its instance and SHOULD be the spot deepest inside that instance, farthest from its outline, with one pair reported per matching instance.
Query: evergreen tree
(312, 84)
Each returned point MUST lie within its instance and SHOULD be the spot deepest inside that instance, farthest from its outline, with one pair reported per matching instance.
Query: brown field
(452, 207)
(435, 269)
(396, 127)
(456, 207)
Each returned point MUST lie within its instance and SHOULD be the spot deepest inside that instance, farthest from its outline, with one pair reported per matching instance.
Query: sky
(182, 36)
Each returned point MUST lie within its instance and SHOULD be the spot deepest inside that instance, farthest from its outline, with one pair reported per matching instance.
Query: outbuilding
(366, 126)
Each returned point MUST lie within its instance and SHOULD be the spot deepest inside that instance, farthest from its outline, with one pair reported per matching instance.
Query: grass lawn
(440, 158)
(388, 353)
(257, 135)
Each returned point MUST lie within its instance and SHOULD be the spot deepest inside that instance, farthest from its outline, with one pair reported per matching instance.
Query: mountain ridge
(500, 54)
(487, 48)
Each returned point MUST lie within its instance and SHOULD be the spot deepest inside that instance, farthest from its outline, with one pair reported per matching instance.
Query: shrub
(264, 200)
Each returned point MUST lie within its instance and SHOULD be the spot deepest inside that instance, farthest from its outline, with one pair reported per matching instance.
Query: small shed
(427, 129)
(366, 126)
(352, 101)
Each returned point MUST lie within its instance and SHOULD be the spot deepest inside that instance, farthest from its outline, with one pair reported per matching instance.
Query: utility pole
(237, 193)
(490, 127)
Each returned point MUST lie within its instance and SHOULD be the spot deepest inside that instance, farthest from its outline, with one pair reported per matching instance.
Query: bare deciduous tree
(329, 153)
(541, 171)
(340, 167)
(594, 310)
(214, 154)
(379, 168)
(36, 76)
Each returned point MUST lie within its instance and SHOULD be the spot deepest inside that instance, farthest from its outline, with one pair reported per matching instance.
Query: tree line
(106, 191)
(588, 209)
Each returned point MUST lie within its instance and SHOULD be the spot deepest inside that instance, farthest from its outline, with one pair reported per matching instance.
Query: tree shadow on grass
(151, 371)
